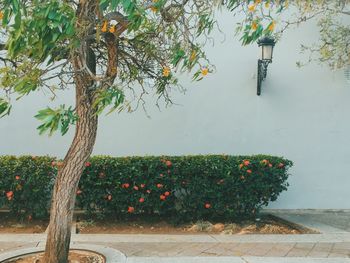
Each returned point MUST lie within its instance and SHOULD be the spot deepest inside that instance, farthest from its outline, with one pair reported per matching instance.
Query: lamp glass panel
(267, 52)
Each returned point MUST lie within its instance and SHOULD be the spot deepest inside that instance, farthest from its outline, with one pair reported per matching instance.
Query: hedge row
(184, 188)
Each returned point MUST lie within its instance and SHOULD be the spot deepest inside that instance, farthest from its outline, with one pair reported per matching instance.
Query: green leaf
(112, 96)
(53, 120)
(5, 108)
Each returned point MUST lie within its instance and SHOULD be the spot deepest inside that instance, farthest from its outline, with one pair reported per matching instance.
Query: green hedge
(184, 188)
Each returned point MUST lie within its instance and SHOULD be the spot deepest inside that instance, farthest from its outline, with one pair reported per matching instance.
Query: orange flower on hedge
(109, 197)
(207, 205)
(249, 171)
(280, 165)
(17, 177)
(79, 192)
(159, 185)
(136, 188)
(142, 185)
(162, 197)
(125, 185)
(270, 165)
(265, 162)
(168, 163)
(9, 195)
(131, 209)
(246, 162)
(161, 175)
(141, 200)
(167, 193)
(87, 164)
(148, 191)
(240, 166)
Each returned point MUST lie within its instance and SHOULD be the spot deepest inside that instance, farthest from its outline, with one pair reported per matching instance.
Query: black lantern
(266, 43)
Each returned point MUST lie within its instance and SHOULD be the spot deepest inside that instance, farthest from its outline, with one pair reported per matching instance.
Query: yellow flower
(257, 2)
(272, 26)
(267, 4)
(1, 15)
(104, 27)
(166, 71)
(251, 8)
(205, 71)
(112, 29)
(254, 26)
(193, 55)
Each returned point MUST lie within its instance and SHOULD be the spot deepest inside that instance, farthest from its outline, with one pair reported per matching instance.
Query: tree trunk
(64, 193)
(63, 200)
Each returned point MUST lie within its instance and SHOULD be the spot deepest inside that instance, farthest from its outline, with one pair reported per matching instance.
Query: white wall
(302, 114)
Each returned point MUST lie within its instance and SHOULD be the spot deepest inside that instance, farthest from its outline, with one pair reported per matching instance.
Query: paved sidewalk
(308, 246)
(331, 246)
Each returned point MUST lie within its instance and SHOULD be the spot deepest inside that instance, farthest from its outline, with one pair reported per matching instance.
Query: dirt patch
(265, 225)
(14, 225)
(75, 256)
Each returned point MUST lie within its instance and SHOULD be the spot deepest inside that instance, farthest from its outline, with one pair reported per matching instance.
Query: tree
(105, 50)
(102, 48)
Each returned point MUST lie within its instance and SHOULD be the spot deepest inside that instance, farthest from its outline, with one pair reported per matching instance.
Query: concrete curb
(111, 255)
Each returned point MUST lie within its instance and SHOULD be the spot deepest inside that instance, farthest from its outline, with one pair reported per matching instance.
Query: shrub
(183, 188)
(25, 184)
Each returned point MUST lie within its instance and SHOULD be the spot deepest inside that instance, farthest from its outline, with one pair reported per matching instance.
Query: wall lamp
(266, 43)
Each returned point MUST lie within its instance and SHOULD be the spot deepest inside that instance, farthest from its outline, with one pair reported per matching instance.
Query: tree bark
(63, 200)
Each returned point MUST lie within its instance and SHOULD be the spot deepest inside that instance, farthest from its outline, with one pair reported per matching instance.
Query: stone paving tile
(321, 250)
(196, 249)
(336, 255)
(174, 249)
(261, 249)
(221, 249)
(341, 249)
(164, 249)
(6, 246)
(280, 250)
(126, 248)
(301, 250)
(342, 245)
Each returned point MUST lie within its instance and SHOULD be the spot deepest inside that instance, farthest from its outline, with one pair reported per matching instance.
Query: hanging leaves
(56, 119)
